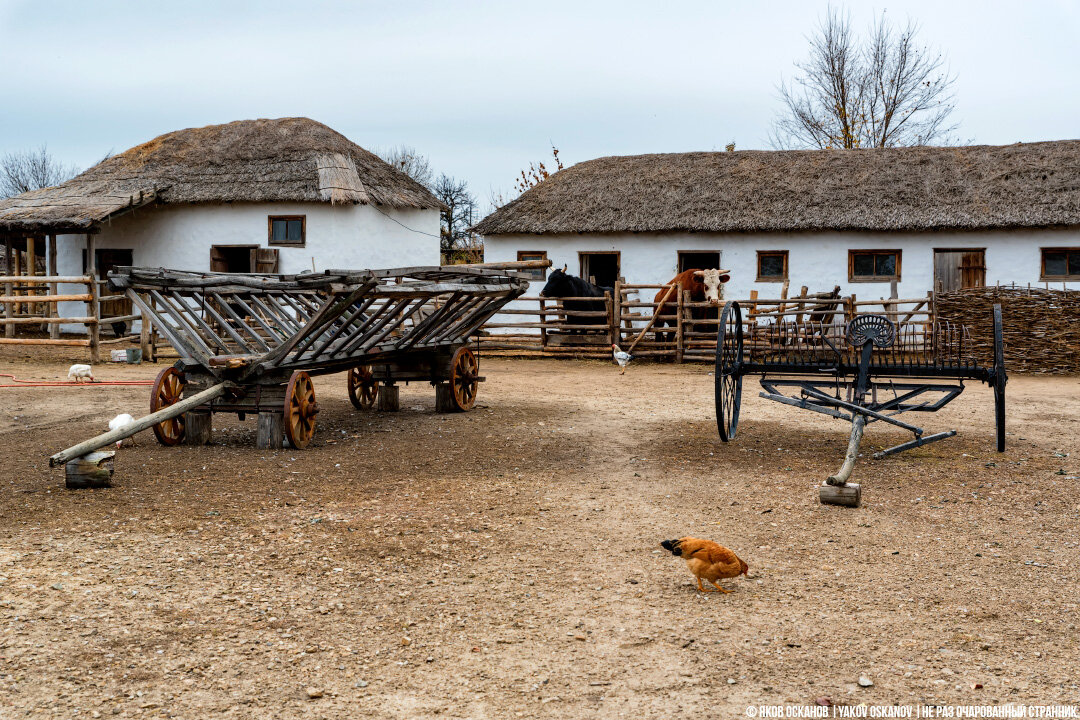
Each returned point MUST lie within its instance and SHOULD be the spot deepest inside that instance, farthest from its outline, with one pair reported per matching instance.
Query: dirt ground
(505, 562)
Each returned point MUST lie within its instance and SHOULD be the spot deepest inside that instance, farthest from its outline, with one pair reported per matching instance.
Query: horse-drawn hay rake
(867, 370)
(249, 344)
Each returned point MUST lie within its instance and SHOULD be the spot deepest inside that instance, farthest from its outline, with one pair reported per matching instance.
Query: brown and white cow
(703, 285)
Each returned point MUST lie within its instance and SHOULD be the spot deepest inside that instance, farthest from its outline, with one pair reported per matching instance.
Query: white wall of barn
(818, 260)
(337, 237)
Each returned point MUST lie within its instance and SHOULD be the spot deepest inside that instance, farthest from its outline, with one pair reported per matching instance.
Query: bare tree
(527, 179)
(31, 170)
(882, 91)
(457, 243)
(406, 159)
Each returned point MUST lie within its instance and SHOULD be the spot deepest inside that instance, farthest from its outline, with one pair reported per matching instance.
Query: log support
(444, 402)
(389, 397)
(198, 427)
(94, 470)
(271, 431)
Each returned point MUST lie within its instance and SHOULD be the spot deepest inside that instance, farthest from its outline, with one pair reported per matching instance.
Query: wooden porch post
(31, 271)
(680, 342)
(95, 304)
(9, 269)
(616, 312)
(50, 270)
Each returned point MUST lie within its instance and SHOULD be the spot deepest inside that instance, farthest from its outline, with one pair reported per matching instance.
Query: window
(287, 230)
(600, 267)
(534, 273)
(1060, 264)
(772, 265)
(873, 265)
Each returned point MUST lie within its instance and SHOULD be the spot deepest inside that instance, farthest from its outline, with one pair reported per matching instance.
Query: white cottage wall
(818, 260)
(337, 237)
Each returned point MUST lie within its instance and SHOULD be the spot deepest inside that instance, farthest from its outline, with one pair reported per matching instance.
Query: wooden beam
(9, 329)
(143, 423)
(50, 270)
(95, 305)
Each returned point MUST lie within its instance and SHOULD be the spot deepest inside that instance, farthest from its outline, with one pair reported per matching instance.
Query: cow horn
(699, 273)
(564, 267)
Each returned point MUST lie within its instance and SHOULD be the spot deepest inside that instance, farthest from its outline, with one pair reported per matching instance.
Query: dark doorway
(233, 258)
(108, 259)
(600, 268)
(698, 260)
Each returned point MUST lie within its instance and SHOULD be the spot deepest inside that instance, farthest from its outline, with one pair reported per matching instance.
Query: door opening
(698, 260)
(600, 268)
(233, 258)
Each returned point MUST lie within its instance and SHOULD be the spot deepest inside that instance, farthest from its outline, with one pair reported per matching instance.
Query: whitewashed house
(925, 218)
(286, 195)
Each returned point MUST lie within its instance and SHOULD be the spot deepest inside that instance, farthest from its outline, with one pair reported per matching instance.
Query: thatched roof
(925, 188)
(284, 160)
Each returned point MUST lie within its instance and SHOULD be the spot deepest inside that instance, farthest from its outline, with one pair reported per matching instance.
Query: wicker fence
(1041, 326)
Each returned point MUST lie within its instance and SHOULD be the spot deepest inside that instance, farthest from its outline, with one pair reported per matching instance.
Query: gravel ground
(505, 562)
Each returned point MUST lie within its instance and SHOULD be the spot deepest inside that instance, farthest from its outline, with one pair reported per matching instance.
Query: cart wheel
(728, 374)
(464, 371)
(300, 410)
(168, 388)
(1000, 378)
(363, 387)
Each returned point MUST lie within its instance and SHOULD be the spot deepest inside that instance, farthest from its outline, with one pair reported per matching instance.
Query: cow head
(712, 280)
(558, 284)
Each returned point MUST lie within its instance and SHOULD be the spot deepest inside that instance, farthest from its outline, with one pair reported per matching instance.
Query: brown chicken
(707, 560)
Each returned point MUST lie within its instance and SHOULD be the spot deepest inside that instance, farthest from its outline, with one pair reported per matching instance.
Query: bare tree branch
(406, 159)
(883, 91)
(28, 170)
(457, 243)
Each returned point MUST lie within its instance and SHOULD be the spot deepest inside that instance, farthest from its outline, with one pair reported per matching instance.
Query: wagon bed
(249, 343)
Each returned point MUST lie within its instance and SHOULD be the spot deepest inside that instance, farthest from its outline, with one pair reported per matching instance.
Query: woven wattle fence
(1041, 326)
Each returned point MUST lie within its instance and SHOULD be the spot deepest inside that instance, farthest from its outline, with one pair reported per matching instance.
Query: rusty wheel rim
(464, 371)
(300, 410)
(363, 388)
(168, 389)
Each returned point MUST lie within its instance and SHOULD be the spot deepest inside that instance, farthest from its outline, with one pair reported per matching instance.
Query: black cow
(561, 285)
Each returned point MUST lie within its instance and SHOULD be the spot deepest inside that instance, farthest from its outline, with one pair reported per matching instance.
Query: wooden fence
(685, 331)
(31, 309)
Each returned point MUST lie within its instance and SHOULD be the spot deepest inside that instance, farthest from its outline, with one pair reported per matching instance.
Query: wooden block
(849, 495)
(197, 428)
(389, 398)
(93, 470)
(271, 432)
(443, 401)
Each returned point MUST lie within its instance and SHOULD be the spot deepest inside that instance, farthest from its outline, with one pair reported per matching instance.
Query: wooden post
(616, 313)
(543, 321)
(802, 306)
(95, 304)
(609, 306)
(50, 270)
(270, 434)
(31, 271)
(198, 426)
(680, 342)
(16, 309)
(443, 401)
(9, 269)
(144, 336)
(389, 397)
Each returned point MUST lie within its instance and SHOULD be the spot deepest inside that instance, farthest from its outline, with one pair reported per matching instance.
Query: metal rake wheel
(168, 390)
(300, 410)
(1000, 378)
(363, 387)
(727, 377)
(464, 378)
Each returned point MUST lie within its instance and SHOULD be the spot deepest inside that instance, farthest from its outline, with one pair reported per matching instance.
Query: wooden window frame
(533, 271)
(1057, 278)
(616, 253)
(270, 230)
(852, 277)
(772, 278)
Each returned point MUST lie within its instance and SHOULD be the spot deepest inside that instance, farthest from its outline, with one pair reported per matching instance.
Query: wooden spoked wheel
(363, 387)
(168, 389)
(464, 379)
(300, 410)
(727, 377)
(1000, 378)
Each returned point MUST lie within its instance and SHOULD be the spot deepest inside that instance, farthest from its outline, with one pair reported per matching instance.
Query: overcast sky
(483, 88)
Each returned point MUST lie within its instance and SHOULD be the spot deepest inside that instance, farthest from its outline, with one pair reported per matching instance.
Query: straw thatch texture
(920, 188)
(1041, 327)
(284, 160)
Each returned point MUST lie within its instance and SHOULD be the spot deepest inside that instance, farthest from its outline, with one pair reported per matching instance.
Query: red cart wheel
(168, 389)
(363, 387)
(300, 410)
(464, 382)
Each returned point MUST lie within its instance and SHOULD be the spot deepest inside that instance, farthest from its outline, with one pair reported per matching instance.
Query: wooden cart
(249, 344)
